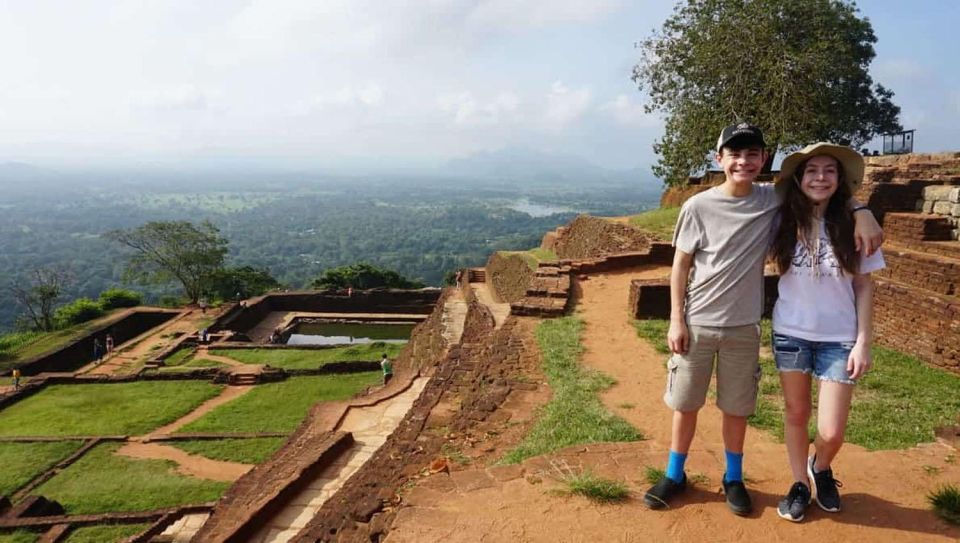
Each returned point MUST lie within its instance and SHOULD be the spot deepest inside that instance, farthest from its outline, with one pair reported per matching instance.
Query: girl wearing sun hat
(822, 321)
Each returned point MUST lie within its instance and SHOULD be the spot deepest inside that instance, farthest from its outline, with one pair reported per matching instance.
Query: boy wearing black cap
(722, 235)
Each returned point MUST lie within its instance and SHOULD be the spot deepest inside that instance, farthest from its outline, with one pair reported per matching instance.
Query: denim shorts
(826, 360)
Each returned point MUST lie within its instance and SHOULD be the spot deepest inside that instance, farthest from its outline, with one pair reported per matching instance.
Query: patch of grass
(543, 255)
(455, 454)
(104, 409)
(627, 405)
(653, 475)
(21, 462)
(280, 407)
(575, 415)
(245, 451)
(179, 357)
(655, 332)
(898, 404)
(312, 358)
(19, 536)
(945, 501)
(102, 481)
(659, 222)
(901, 402)
(105, 533)
(596, 488)
(930, 470)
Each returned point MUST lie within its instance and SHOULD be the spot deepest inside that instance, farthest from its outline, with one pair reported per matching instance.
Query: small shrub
(596, 488)
(118, 297)
(76, 312)
(946, 503)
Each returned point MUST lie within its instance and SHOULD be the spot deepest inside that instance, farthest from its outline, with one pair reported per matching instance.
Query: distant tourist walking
(97, 350)
(109, 344)
(823, 318)
(16, 378)
(459, 278)
(387, 368)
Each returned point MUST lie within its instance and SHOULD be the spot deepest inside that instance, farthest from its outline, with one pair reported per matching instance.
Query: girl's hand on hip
(859, 361)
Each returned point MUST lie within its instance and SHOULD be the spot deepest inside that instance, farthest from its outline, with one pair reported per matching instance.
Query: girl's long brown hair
(796, 216)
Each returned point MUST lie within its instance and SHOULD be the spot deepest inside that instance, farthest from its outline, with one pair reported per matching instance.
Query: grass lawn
(191, 365)
(101, 482)
(105, 533)
(104, 409)
(575, 414)
(246, 451)
(19, 536)
(898, 404)
(280, 407)
(659, 222)
(291, 359)
(20, 462)
(179, 357)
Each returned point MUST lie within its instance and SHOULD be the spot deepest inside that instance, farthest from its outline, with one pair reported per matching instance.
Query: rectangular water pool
(339, 333)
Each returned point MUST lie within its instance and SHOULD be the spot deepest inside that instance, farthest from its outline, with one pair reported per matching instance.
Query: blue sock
(734, 466)
(675, 466)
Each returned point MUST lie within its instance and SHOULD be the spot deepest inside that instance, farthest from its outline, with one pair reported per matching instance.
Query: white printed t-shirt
(816, 301)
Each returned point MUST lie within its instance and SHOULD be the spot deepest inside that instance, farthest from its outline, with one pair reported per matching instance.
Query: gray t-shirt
(728, 237)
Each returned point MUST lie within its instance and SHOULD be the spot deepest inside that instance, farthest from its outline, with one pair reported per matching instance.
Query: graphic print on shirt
(819, 262)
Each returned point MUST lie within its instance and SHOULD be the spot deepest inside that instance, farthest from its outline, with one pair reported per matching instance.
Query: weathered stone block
(954, 195)
(942, 208)
(937, 192)
(927, 206)
(955, 210)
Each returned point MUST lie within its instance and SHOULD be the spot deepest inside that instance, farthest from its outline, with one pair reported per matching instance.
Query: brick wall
(924, 325)
(650, 298)
(930, 272)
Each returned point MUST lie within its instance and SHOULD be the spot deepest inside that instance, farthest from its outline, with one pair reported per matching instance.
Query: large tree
(363, 276)
(796, 68)
(39, 294)
(165, 251)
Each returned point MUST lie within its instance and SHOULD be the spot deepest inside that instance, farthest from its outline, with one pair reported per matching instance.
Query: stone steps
(909, 228)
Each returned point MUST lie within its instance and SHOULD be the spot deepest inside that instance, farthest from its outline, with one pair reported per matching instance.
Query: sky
(379, 84)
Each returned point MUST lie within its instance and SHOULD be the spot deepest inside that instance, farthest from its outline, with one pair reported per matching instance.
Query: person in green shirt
(387, 368)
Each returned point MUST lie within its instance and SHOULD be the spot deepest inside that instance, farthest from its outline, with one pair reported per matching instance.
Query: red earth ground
(884, 492)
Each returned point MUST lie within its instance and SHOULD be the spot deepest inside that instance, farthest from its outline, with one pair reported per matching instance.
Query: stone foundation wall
(510, 275)
(943, 200)
(650, 298)
(923, 325)
(80, 352)
(930, 272)
(591, 237)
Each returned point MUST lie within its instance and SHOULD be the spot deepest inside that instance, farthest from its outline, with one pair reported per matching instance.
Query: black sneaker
(794, 505)
(660, 494)
(738, 500)
(824, 487)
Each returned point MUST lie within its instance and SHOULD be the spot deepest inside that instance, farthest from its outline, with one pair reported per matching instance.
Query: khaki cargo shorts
(736, 350)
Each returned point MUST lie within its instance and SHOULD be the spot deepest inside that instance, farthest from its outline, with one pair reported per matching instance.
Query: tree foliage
(119, 297)
(76, 312)
(39, 295)
(363, 276)
(246, 281)
(165, 251)
(796, 68)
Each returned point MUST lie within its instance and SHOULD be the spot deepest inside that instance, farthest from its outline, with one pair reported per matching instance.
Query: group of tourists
(825, 245)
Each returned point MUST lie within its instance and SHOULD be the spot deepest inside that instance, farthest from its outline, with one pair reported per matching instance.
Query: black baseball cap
(745, 133)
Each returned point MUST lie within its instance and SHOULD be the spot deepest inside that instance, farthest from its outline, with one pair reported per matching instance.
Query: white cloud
(626, 112)
(466, 110)
(370, 95)
(182, 98)
(513, 14)
(565, 105)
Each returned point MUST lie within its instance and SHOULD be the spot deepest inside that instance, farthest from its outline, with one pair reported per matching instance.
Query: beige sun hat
(849, 159)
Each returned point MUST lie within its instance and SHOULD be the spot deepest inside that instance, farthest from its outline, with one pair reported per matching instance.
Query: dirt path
(884, 492)
(187, 464)
(130, 354)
